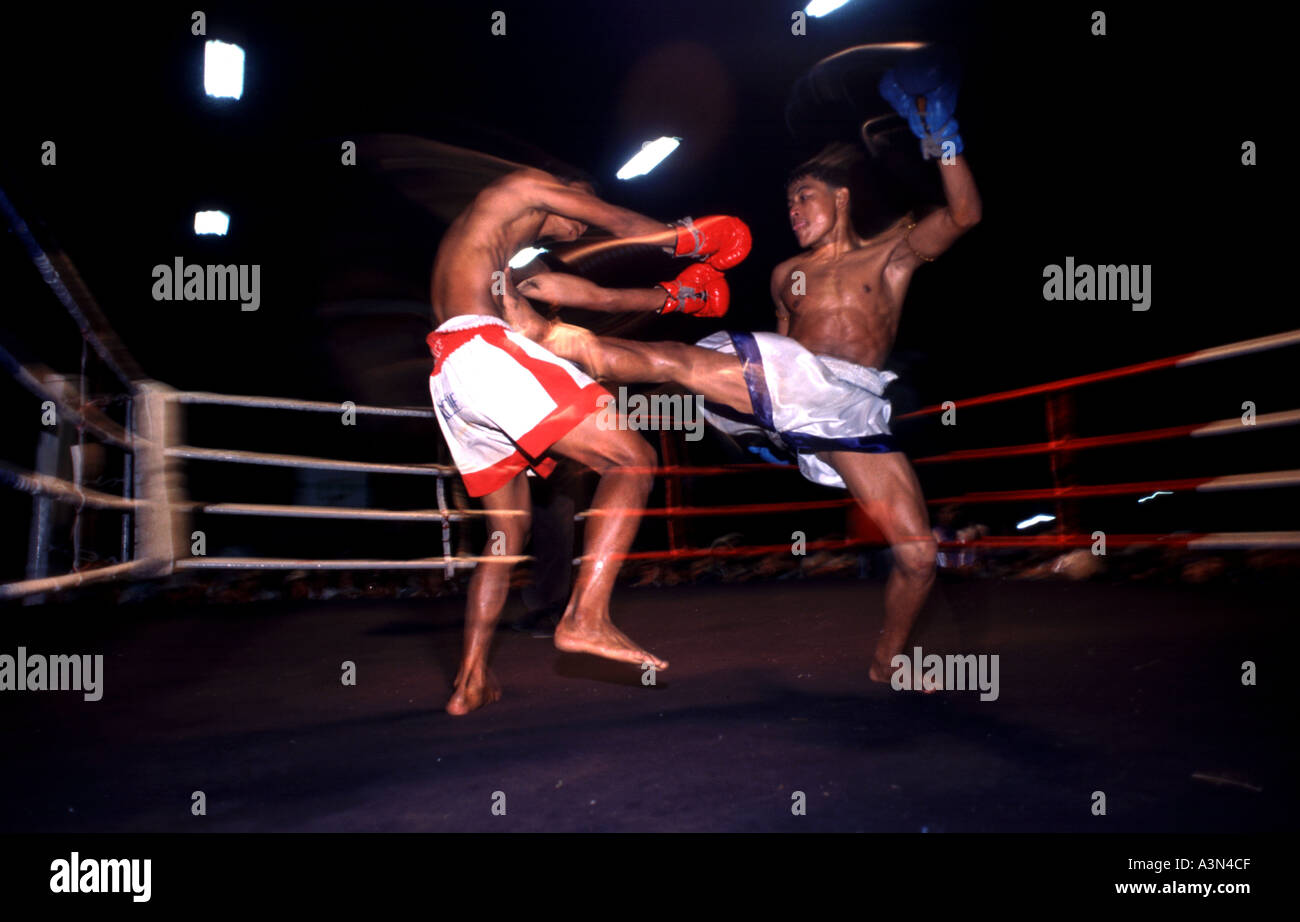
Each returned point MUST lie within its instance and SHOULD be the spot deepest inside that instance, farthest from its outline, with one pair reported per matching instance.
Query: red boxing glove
(700, 290)
(720, 240)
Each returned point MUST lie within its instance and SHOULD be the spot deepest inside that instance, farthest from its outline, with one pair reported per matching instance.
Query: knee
(916, 557)
(642, 455)
(632, 455)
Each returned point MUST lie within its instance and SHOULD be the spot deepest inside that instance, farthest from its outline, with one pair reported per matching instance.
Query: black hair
(838, 165)
(874, 201)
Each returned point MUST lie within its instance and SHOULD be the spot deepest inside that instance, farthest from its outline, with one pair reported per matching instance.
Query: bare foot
(477, 689)
(879, 673)
(602, 639)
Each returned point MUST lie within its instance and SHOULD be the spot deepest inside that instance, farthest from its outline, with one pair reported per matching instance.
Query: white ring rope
(63, 490)
(285, 403)
(322, 464)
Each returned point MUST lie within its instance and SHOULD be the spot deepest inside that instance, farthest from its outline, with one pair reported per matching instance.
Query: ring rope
(91, 418)
(285, 403)
(323, 464)
(1218, 427)
(333, 512)
(71, 580)
(54, 270)
(279, 563)
(1289, 478)
(63, 490)
(1215, 353)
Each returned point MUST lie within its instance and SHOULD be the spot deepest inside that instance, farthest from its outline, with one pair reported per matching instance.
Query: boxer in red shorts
(504, 403)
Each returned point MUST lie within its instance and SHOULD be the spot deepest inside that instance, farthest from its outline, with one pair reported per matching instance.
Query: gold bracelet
(907, 238)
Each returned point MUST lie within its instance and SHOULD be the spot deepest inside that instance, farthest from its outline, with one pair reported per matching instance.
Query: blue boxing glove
(927, 78)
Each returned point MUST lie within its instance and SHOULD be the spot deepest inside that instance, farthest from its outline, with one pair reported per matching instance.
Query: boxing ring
(766, 692)
(156, 511)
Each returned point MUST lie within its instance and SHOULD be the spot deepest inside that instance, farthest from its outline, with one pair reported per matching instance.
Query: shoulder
(892, 237)
(781, 274)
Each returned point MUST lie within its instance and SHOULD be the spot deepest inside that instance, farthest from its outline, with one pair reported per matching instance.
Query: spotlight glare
(650, 156)
(223, 70)
(822, 7)
(525, 256)
(211, 222)
(1035, 520)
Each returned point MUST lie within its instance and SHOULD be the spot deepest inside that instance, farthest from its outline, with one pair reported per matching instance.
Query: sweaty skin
(846, 304)
(853, 292)
(854, 287)
(470, 276)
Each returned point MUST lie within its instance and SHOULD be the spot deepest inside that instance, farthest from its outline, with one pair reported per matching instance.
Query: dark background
(1117, 149)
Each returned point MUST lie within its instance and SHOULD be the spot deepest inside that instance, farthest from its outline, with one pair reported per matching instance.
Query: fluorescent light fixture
(650, 156)
(1155, 494)
(211, 222)
(822, 7)
(1036, 520)
(223, 70)
(525, 256)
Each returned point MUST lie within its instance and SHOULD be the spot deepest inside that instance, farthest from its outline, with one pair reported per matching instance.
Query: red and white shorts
(502, 400)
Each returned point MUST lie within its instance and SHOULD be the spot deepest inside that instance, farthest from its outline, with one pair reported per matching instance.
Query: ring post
(162, 521)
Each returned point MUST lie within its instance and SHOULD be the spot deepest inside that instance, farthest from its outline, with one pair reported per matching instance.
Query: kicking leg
(715, 376)
(488, 588)
(887, 489)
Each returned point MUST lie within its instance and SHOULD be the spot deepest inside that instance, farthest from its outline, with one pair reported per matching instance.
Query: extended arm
(721, 240)
(699, 289)
(573, 291)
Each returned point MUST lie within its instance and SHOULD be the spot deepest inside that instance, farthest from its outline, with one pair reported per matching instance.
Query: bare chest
(860, 285)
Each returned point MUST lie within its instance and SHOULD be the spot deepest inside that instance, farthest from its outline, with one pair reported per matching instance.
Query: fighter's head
(559, 228)
(818, 197)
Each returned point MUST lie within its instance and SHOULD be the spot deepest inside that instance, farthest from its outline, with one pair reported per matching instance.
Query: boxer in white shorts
(503, 403)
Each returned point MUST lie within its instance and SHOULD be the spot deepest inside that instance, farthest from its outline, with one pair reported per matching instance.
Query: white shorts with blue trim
(806, 404)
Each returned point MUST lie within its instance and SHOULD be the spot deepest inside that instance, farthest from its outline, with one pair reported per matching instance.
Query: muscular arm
(573, 291)
(938, 231)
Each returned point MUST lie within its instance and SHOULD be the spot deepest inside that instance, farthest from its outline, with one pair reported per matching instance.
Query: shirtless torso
(848, 304)
(470, 274)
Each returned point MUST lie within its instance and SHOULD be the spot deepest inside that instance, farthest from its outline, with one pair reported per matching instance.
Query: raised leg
(715, 376)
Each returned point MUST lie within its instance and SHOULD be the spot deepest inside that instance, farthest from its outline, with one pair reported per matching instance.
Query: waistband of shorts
(872, 379)
(458, 331)
(469, 321)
